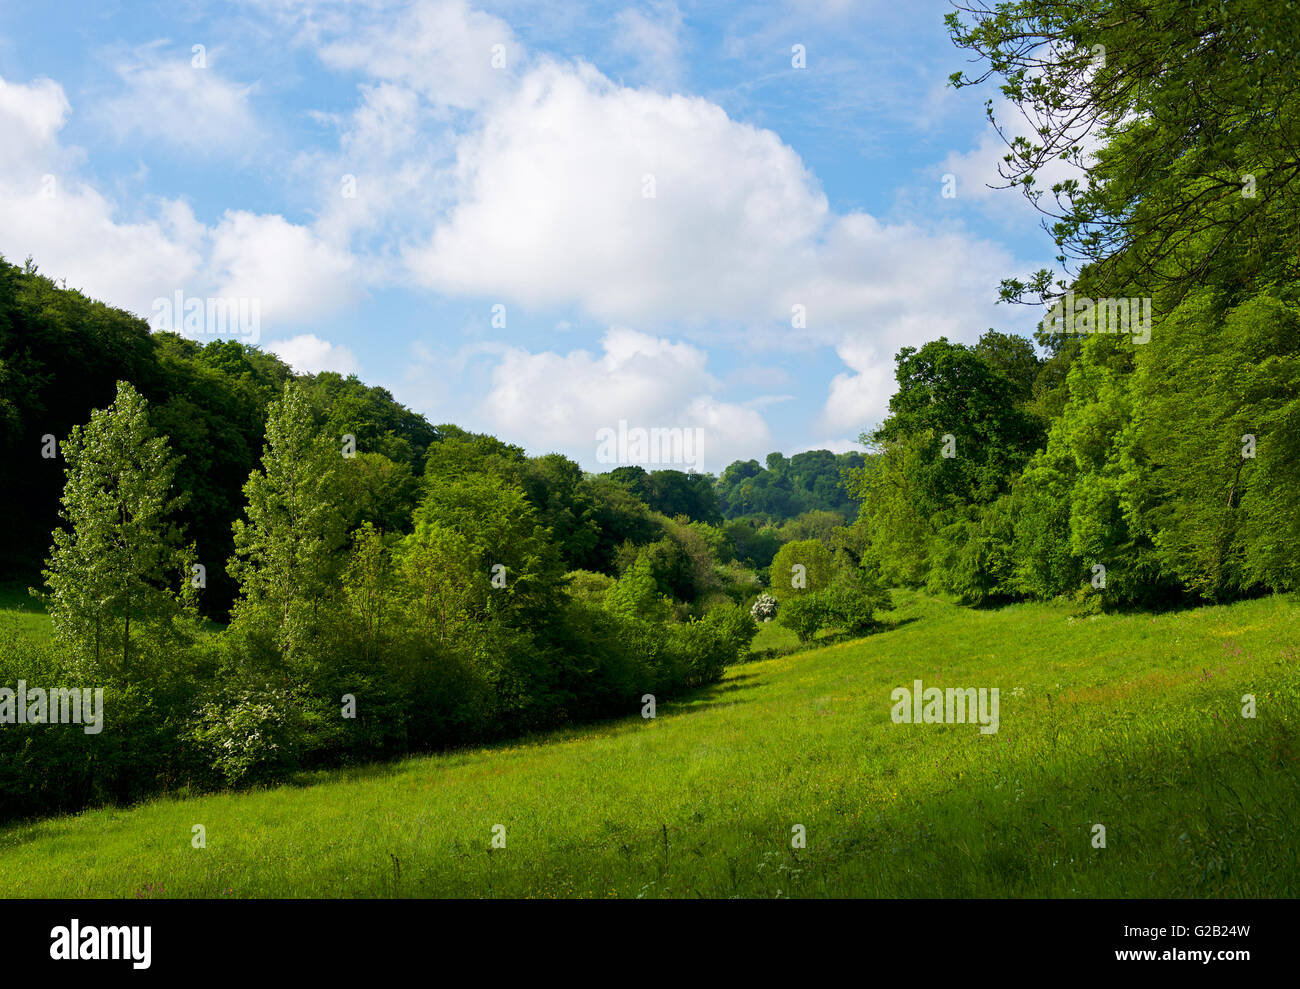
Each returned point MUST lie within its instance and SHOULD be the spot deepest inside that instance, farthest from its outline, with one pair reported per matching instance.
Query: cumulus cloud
(294, 274)
(859, 398)
(69, 227)
(559, 401)
(33, 115)
(634, 204)
(77, 233)
(641, 206)
(309, 354)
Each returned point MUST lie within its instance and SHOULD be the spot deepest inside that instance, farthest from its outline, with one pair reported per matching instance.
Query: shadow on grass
(1164, 602)
(694, 700)
(704, 698)
(830, 639)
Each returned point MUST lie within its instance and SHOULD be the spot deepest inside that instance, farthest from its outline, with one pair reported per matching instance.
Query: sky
(534, 220)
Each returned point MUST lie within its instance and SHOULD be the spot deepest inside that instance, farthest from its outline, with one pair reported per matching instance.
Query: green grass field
(1133, 722)
(19, 610)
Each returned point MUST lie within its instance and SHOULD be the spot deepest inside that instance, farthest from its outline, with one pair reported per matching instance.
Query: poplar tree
(116, 571)
(287, 549)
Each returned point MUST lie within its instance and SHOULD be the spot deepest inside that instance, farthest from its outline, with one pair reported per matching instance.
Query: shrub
(736, 626)
(245, 736)
(805, 615)
(765, 608)
(587, 586)
(848, 604)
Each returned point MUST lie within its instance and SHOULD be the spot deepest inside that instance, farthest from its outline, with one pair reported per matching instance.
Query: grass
(1132, 722)
(774, 639)
(22, 612)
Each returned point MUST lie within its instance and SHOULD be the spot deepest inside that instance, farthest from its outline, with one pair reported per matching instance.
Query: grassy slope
(1128, 721)
(20, 611)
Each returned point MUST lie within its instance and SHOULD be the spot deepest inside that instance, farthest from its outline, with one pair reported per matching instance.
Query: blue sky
(531, 220)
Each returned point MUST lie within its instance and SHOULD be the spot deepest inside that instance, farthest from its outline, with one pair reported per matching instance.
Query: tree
(519, 574)
(801, 567)
(438, 573)
(287, 556)
(1012, 355)
(1197, 108)
(109, 572)
(553, 484)
(947, 389)
(368, 585)
(637, 594)
(617, 517)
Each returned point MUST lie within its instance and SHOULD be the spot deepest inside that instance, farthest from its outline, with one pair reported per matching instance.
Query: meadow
(1130, 721)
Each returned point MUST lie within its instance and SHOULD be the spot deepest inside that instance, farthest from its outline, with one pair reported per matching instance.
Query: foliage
(116, 573)
(287, 548)
(1186, 100)
(788, 486)
(801, 568)
(245, 737)
(765, 608)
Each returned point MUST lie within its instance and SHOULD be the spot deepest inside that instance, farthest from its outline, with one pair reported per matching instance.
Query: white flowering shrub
(765, 608)
(245, 736)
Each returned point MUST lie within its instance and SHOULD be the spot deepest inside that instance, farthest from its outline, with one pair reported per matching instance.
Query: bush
(848, 604)
(801, 567)
(764, 609)
(805, 615)
(246, 736)
(587, 586)
(736, 626)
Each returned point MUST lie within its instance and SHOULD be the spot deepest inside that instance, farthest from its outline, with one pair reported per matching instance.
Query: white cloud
(387, 178)
(890, 286)
(169, 100)
(900, 283)
(440, 48)
(553, 210)
(309, 354)
(295, 275)
(859, 398)
(67, 226)
(559, 401)
(652, 38)
(74, 231)
(33, 115)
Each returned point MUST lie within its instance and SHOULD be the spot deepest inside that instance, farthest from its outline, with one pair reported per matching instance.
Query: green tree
(439, 575)
(287, 557)
(117, 573)
(1199, 116)
(637, 594)
(369, 591)
(801, 567)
